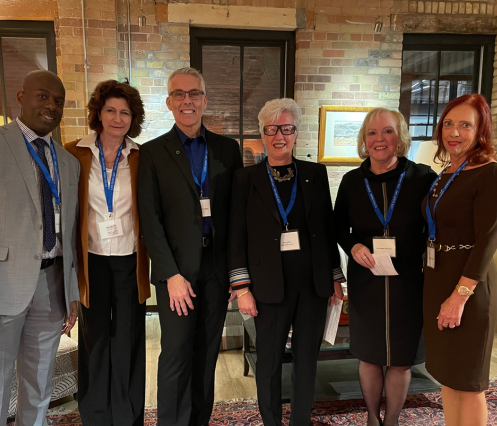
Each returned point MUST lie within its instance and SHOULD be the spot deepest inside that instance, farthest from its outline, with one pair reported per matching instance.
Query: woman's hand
(246, 303)
(70, 319)
(338, 293)
(362, 256)
(451, 311)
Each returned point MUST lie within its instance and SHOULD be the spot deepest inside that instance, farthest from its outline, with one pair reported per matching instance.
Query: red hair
(484, 149)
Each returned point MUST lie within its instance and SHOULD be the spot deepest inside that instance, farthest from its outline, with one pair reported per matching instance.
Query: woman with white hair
(284, 260)
(378, 210)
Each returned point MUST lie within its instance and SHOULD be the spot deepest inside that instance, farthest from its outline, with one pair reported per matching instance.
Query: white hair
(273, 110)
(186, 71)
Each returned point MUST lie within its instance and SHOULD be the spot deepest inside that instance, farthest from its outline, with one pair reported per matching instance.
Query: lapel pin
(307, 180)
(177, 152)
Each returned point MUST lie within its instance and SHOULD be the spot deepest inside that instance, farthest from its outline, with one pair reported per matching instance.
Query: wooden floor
(230, 382)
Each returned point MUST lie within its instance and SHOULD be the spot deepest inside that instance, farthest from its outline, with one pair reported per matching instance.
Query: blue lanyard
(53, 185)
(283, 213)
(431, 222)
(109, 191)
(385, 220)
(204, 174)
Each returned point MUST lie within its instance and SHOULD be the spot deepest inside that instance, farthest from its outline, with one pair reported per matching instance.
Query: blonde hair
(404, 142)
(186, 71)
(272, 110)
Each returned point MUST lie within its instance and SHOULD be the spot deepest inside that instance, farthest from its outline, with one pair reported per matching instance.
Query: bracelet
(243, 294)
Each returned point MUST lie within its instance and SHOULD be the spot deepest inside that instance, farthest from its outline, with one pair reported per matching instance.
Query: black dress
(466, 215)
(385, 313)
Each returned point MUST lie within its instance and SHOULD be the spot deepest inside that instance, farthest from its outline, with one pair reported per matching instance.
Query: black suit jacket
(169, 206)
(255, 230)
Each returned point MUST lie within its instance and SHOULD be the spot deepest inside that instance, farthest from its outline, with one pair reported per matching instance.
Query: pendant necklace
(277, 177)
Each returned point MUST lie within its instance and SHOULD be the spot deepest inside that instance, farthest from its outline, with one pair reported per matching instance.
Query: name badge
(430, 257)
(205, 203)
(384, 245)
(57, 222)
(110, 229)
(290, 240)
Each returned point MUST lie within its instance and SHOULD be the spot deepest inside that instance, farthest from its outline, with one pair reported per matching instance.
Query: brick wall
(339, 59)
(101, 55)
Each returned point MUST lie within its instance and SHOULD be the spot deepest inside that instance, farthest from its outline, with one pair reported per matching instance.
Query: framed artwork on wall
(338, 130)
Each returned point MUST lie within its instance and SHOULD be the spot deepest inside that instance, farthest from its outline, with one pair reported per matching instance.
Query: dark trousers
(189, 349)
(112, 345)
(306, 312)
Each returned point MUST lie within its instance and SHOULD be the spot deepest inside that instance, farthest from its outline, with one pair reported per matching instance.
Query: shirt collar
(184, 137)
(90, 141)
(30, 135)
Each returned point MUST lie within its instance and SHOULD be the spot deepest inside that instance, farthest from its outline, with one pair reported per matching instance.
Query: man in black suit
(184, 196)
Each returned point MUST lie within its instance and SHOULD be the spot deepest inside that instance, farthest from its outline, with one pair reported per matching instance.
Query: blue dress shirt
(195, 152)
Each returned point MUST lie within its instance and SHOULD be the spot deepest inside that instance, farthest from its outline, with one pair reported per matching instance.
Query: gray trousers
(32, 337)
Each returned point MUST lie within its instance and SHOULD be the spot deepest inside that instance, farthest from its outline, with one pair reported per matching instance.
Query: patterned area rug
(419, 410)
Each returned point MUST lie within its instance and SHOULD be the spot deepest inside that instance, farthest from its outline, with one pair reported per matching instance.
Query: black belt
(206, 241)
(45, 263)
(445, 247)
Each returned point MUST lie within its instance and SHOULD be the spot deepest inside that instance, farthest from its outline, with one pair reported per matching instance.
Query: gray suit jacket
(21, 231)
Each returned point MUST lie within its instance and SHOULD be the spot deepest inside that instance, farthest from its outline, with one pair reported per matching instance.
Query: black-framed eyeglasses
(179, 95)
(286, 129)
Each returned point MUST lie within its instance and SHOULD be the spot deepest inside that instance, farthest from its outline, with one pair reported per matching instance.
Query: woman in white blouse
(112, 261)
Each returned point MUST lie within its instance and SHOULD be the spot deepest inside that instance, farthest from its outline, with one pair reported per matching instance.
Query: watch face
(463, 291)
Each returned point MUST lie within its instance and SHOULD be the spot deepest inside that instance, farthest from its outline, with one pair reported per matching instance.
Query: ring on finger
(445, 324)
(453, 326)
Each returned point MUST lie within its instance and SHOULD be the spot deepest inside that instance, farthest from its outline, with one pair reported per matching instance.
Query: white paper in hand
(332, 319)
(383, 265)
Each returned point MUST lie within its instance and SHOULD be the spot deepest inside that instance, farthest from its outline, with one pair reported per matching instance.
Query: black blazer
(169, 206)
(255, 230)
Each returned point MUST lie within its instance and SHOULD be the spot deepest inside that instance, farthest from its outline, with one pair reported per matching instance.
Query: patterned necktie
(46, 192)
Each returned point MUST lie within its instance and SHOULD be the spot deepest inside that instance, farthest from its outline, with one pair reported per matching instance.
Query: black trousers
(112, 345)
(302, 309)
(189, 349)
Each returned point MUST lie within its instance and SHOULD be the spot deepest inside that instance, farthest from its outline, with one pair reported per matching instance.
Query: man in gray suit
(38, 210)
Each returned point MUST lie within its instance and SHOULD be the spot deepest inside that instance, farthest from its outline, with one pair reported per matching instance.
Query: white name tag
(57, 222)
(205, 203)
(384, 245)
(110, 229)
(290, 240)
(430, 257)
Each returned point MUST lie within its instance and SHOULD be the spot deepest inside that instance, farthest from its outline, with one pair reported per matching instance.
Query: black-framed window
(438, 68)
(243, 69)
(25, 46)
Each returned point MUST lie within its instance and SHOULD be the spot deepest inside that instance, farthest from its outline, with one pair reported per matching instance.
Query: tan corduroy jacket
(84, 155)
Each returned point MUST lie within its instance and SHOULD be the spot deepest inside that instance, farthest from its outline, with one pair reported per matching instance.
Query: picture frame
(338, 130)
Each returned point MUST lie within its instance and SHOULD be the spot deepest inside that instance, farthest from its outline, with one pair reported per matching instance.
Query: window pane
(457, 63)
(20, 56)
(415, 62)
(422, 101)
(253, 152)
(221, 71)
(261, 83)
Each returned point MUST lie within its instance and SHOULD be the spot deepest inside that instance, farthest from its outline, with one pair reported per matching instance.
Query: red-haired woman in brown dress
(460, 294)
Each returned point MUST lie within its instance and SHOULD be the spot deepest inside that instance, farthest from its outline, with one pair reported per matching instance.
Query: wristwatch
(464, 291)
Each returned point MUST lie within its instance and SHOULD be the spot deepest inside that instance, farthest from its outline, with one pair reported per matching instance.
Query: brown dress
(466, 215)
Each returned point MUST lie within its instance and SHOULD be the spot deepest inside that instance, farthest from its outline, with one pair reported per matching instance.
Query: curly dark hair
(113, 89)
(484, 149)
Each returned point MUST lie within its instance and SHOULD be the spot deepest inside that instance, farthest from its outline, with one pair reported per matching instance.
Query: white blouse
(122, 203)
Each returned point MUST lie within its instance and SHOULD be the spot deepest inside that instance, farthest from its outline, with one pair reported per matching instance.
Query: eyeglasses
(179, 95)
(461, 126)
(286, 129)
